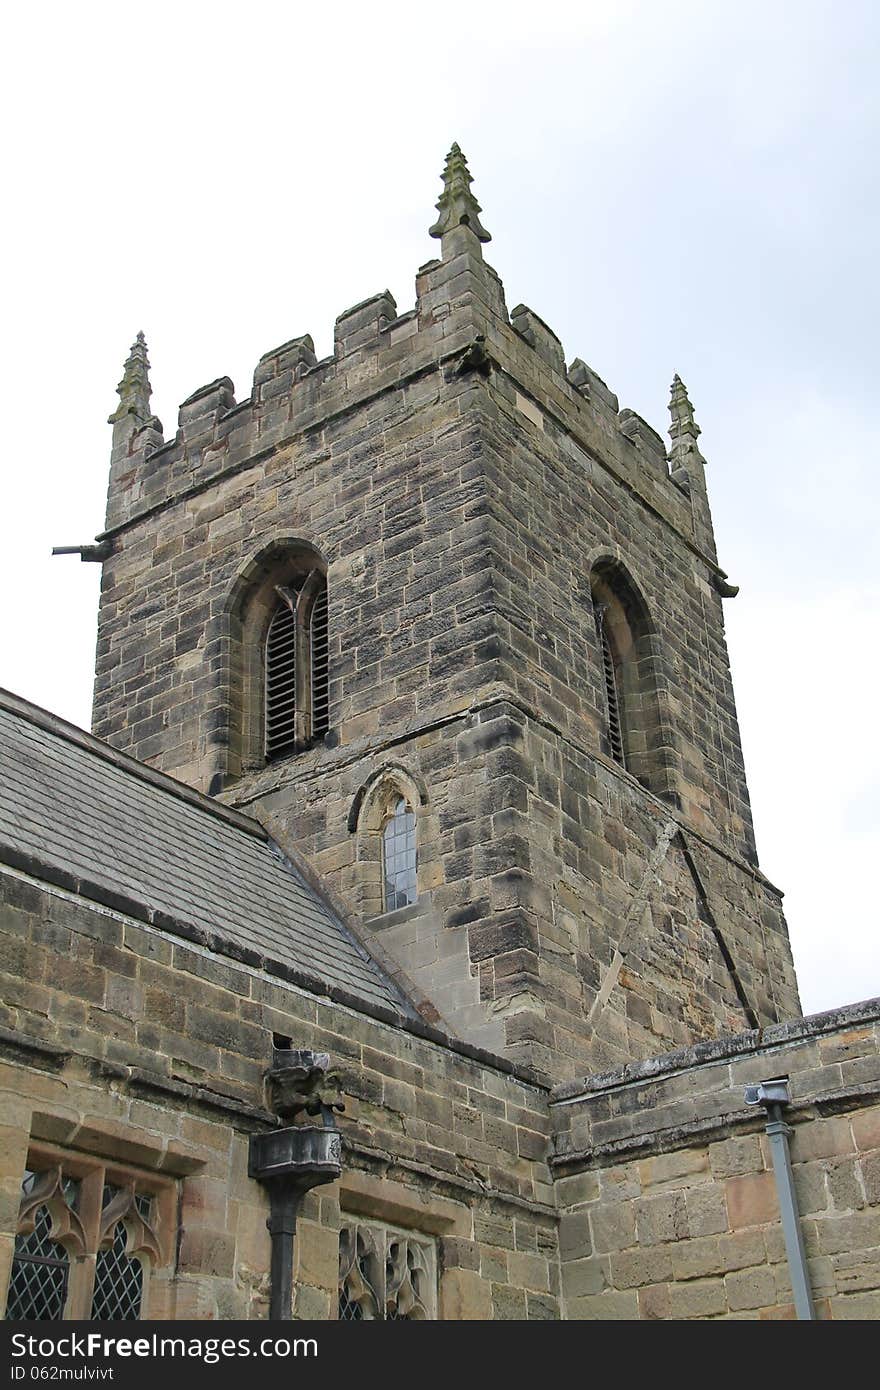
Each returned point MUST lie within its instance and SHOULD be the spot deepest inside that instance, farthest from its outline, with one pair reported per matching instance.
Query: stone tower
(522, 658)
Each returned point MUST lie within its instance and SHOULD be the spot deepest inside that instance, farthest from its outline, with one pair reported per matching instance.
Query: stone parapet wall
(665, 1185)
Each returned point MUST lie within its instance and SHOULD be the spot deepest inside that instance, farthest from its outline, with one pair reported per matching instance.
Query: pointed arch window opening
(296, 667)
(399, 858)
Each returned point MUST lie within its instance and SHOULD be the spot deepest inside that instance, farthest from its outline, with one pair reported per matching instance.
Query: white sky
(673, 185)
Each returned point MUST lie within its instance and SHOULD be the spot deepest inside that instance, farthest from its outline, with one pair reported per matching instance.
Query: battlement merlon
(460, 314)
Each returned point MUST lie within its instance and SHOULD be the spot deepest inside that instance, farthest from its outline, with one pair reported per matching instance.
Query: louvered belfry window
(615, 728)
(281, 645)
(297, 689)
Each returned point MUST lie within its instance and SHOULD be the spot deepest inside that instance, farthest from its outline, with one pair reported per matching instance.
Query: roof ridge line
(72, 733)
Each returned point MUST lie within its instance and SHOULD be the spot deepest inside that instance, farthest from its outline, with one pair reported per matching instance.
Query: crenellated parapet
(460, 322)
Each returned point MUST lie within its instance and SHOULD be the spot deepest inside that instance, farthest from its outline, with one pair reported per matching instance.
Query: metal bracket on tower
(95, 554)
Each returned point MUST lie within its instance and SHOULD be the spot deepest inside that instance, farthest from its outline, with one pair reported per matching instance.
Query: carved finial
(687, 469)
(682, 412)
(134, 388)
(457, 205)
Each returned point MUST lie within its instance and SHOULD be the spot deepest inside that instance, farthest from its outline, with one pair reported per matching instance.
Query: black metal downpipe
(285, 1199)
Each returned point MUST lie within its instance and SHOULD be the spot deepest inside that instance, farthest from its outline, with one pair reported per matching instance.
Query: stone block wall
(132, 1047)
(459, 512)
(565, 917)
(144, 1052)
(668, 1205)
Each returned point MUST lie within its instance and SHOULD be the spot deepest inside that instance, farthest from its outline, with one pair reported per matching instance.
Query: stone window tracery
(127, 1242)
(296, 673)
(386, 1274)
(86, 1239)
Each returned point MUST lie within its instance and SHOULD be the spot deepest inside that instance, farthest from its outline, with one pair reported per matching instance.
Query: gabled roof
(77, 813)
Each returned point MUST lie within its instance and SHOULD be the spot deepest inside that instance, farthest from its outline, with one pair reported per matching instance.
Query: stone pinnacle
(134, 388)
(457, 206)
(682, 412)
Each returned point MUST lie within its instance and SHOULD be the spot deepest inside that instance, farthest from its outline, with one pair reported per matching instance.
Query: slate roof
(75, 811)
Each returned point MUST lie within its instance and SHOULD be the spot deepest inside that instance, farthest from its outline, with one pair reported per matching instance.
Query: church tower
(449, 622)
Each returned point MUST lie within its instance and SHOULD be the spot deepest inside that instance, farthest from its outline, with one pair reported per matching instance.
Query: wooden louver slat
(615, 731)
(281, 683)
(319, 642)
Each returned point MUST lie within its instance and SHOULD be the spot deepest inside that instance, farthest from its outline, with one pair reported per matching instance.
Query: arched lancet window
(278, 672)
(637, 736)
(399, 858)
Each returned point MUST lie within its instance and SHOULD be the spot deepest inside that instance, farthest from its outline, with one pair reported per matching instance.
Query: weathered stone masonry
(665, 1185)
(150, 1051)
(543, 1055)
(460, 486)
(119, 1039)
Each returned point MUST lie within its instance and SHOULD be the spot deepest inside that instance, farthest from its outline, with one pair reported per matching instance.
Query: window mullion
(82, 1269)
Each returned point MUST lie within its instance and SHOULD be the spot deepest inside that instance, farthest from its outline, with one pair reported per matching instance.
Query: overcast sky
(673, 185)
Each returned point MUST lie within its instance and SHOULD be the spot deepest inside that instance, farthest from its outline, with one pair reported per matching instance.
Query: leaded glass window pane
(119, 1278)
(349, 1311)
(38, 1286)
(399, 858)
(40, 1267)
